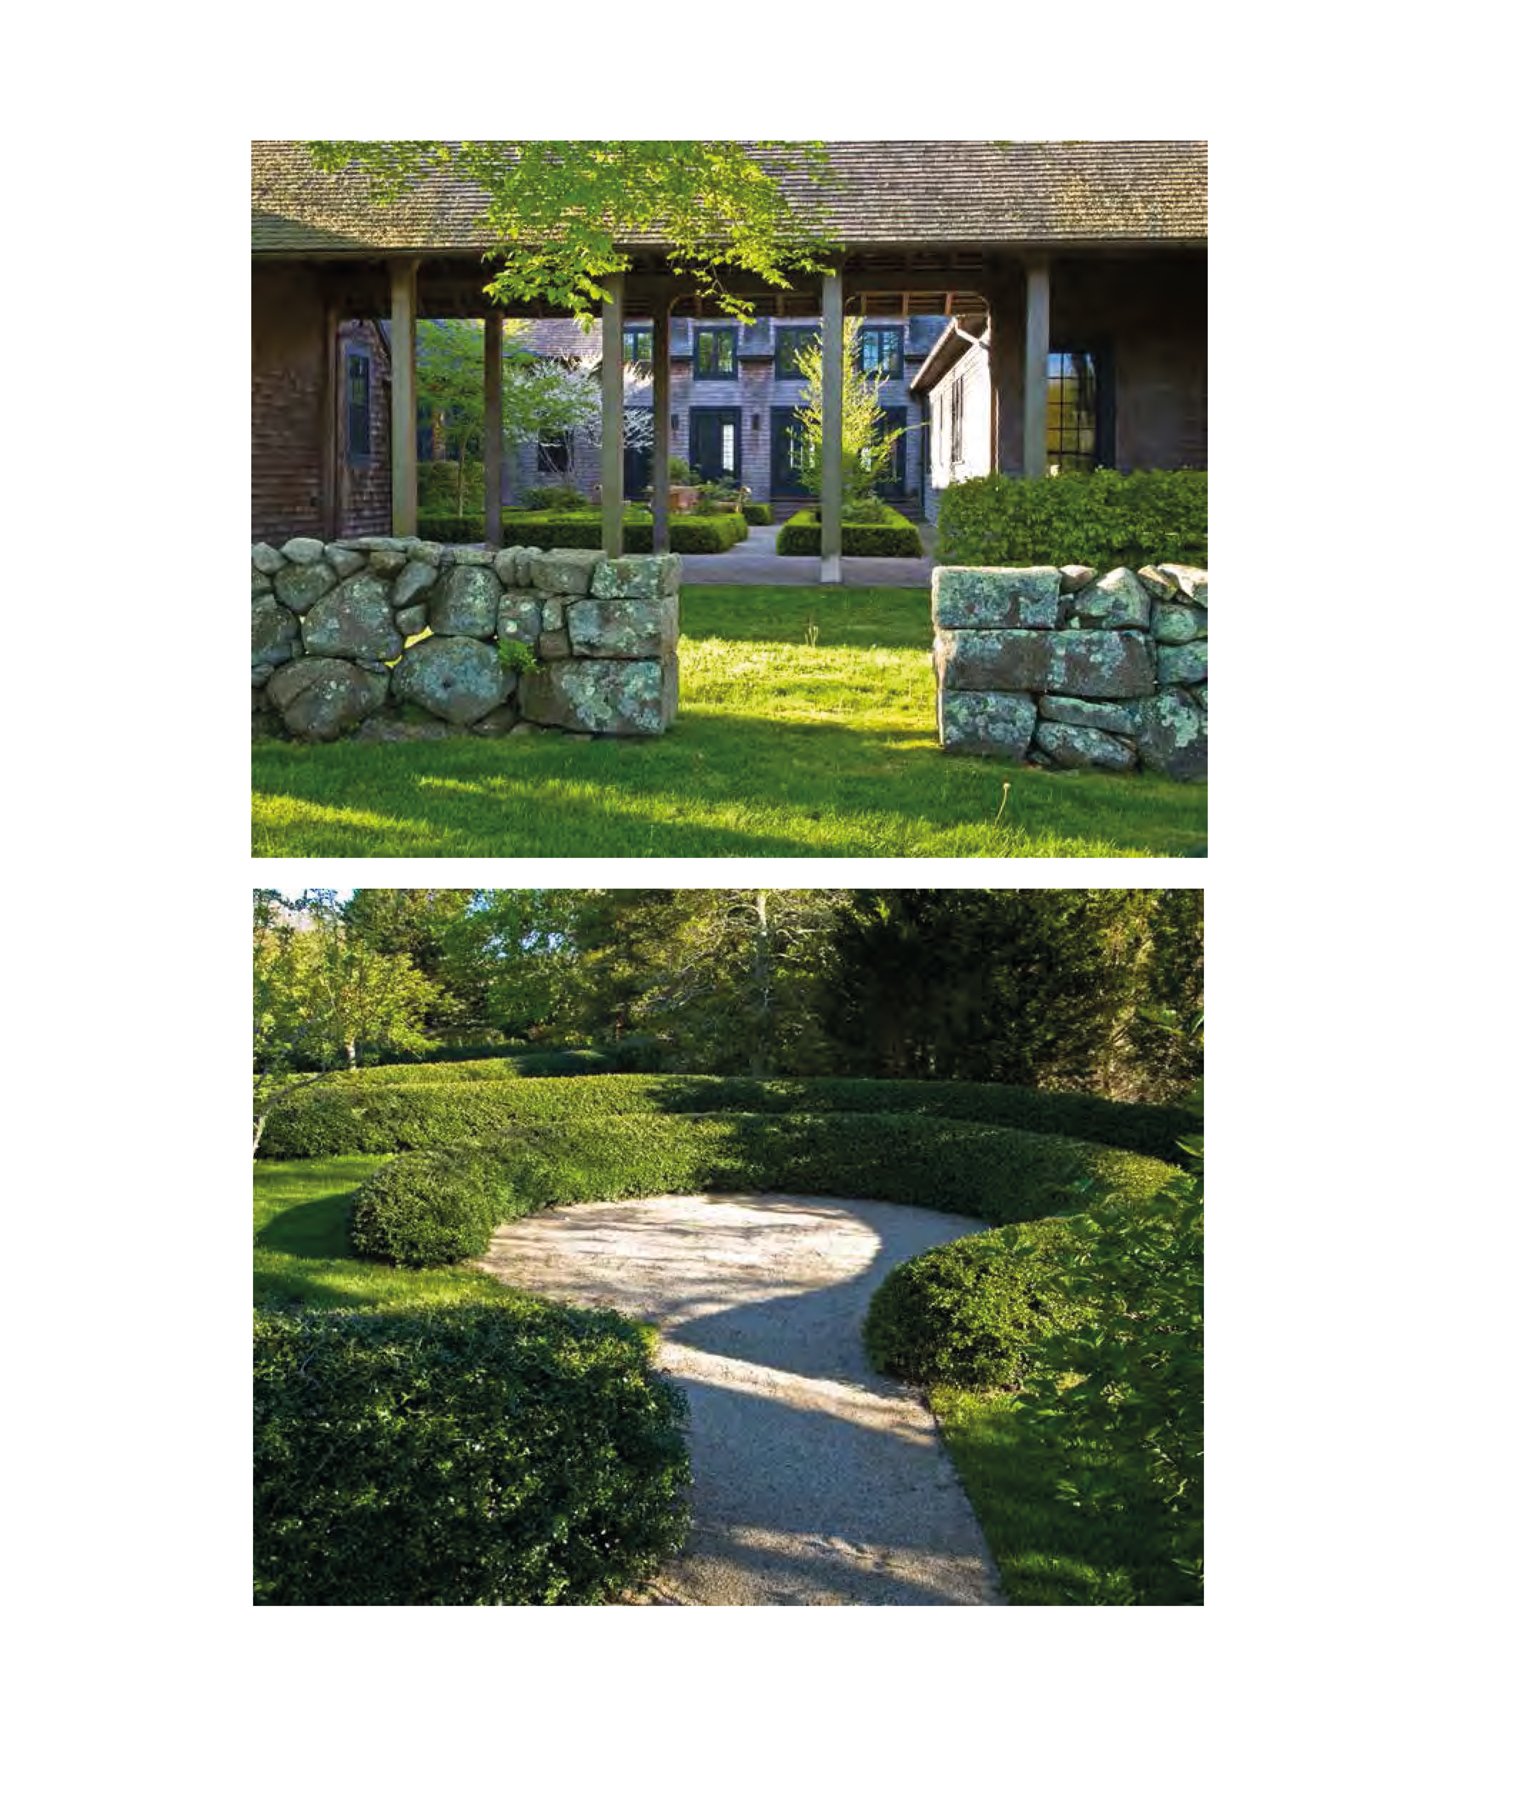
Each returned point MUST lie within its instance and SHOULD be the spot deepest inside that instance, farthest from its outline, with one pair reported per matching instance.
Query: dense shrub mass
(560, 529)
(758, 512)
(1104, 519)
(422, 1203)
(438, 487)
(514, 1453)
(402, 1108)
(802, 535)
(966, 1314)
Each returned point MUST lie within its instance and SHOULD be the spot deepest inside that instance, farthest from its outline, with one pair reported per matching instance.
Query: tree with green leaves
(323, 997)
(868, 439)
(560, 213)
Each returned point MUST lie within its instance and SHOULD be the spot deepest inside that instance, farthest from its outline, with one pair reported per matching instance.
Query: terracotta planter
(683, 499)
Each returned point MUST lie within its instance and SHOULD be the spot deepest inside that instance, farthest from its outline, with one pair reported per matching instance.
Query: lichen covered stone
(1117, 600)
(1183, 664)
(1083, 747)
(355, 621)
(1019, 598)
(565, 571)
(1173, 736)
(301, 585)
(634, 577)
(624, 628)
(321, 698)
(986, 724)
(457, 679)
(609, 698)
(464, 603)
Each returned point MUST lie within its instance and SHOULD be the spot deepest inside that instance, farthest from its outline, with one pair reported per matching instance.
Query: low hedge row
(967, 1314)
(1104, 519)
(706, 535)
(372, 1111)
(432, 1206)
(507, 1454)
(758, 512)
(802, 535)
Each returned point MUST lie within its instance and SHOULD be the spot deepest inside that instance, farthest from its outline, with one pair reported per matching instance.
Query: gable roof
(890, 191)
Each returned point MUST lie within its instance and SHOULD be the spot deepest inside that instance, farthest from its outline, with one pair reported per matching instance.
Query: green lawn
(806, 728)
(300, 1244)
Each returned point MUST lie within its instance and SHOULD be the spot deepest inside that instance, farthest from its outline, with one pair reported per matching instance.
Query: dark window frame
(631, 359)
(788, 340)
(722, 416)
(882, 333)
(555, 453)
(785, 480)
(358, 454)
(894, 484)
(714, 334)
(1103, 410)
(956, 410)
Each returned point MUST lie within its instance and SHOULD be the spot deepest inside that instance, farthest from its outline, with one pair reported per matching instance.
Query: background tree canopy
(1055, 988)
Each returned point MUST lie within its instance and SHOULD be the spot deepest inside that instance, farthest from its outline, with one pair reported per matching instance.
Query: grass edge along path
(806, 728)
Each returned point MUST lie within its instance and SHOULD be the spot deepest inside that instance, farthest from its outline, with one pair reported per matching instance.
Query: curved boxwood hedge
(802, 535)
(372, 1111)
(507, 1454)
(965, 1314)
(429, 1206)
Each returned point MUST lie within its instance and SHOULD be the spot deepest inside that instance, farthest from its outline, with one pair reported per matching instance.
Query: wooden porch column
(492, 447)
(1036, 357)
(1005, 363)
(831, 516)
(611, 416)
(659, 473)
(403, 398)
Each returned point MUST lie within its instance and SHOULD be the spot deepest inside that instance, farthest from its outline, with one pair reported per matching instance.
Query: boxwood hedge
(505, 1454)
(966, 1314)
(802, 535)
(690, 535)
(424, 1207)
(1104, 519)
(403, 1108)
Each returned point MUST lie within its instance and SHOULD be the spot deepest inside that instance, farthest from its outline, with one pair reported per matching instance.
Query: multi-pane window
(957, 420)
(554, 453)
(879, 349)
(638, 346)
(1071, 431)
(716, 349)
(892, 461)
(790, 342)
(357, 391)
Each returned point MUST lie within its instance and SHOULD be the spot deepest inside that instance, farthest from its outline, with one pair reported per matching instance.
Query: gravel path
(815, 1481)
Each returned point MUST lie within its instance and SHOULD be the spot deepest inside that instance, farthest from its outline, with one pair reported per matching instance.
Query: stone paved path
(815, 1481)
(755, 563)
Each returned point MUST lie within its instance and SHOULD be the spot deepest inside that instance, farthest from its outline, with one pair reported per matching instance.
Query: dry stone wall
(1072, 670)
(517, 640)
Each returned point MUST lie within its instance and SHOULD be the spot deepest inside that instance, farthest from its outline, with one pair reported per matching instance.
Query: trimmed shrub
(402, 1107)
(445, 528)
(419, 1202)
(561, 498)
(757, 512)
(966, 1314)
(438, 487)
(565, 530)
(507, 1454)
(802, 535)
(1104, 519)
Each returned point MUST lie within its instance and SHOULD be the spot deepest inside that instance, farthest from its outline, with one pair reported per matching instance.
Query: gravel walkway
(815, 1481)
(756, 563)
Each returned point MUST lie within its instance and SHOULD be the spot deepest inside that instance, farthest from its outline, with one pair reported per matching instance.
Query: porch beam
(491, 450)
(611, 416)
(403, 397)
(831, 517)
(1036, 356)
(659, 473)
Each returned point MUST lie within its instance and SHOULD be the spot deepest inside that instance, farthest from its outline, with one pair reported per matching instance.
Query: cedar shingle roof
(894, 192)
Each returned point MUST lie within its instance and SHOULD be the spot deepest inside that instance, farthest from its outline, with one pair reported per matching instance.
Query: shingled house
(1091, 254)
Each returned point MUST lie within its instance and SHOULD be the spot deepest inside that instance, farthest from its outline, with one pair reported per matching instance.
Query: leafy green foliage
(512, 1453)
(894, 535)
(557, 212)
(446, 488)
(563, 529)
(407, 1210)
(865, 434)
(968, 1313)
(758, 512)
(517, 657)
(1103, 519)
(387, 1109)
(560, 498)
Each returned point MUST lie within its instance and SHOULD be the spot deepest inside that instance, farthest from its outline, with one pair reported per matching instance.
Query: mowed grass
(300, 1244)
(1048, 1552)
(806, 728)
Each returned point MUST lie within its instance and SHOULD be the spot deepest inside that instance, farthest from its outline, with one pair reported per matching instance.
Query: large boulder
(612, 699)
(1018, 598)
(412, 580)
(1080, 747)
(1002, 661)
(1102, 665)
(1173, 736)
(321, 698)
(1183, 664)
(565, 571)
(626, 628)
(1118, 601)
(454, 678)
(300, 586)
(635, 577)
(986, 724)
(276, 631)
(464, 603)
(267, 560)
(354, 620)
